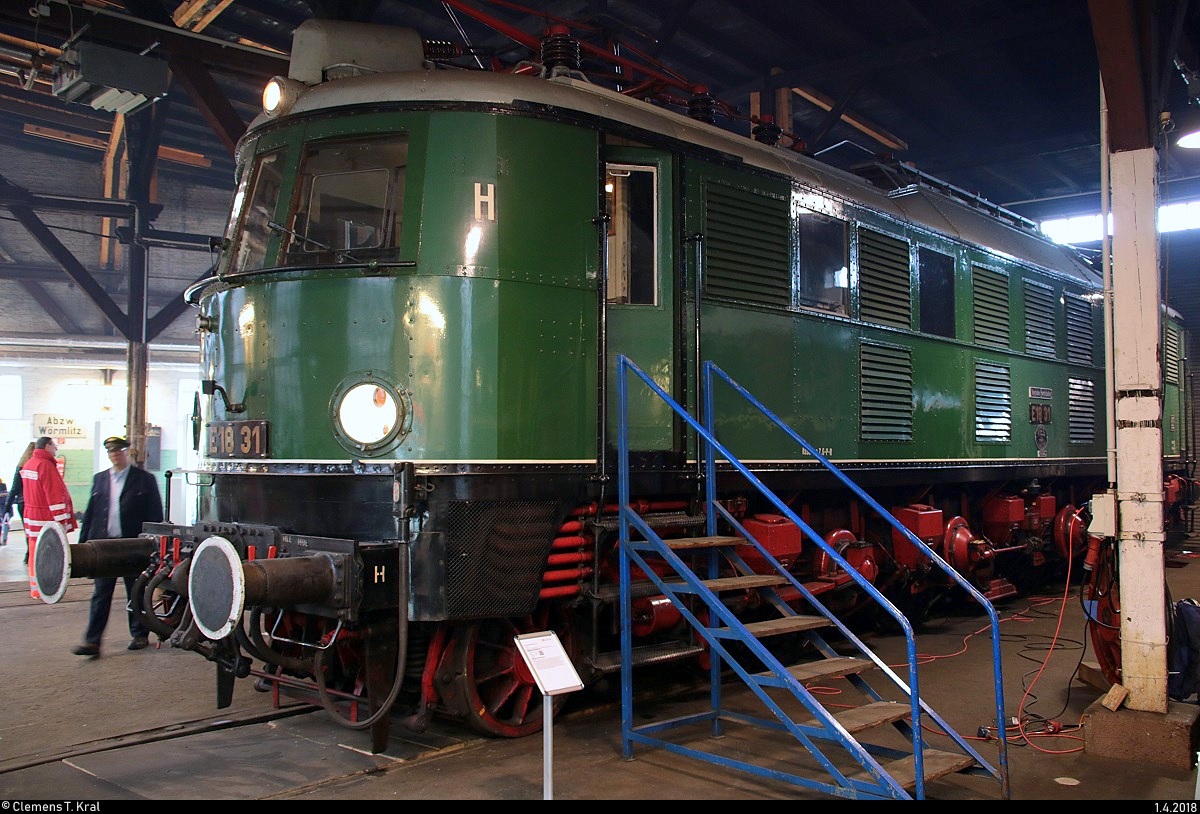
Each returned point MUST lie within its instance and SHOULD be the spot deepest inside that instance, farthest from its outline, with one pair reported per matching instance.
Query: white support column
(1138, 406)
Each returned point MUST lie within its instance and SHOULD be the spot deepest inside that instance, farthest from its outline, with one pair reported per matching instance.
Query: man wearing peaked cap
(123, 497)
(116, 442)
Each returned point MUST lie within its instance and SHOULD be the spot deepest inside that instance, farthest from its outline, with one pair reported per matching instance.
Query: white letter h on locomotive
(489, 199)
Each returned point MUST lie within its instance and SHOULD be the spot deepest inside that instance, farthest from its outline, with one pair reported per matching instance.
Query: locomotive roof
(920, 205)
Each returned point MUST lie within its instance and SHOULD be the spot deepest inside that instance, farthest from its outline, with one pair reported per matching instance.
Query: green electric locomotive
(409, 418)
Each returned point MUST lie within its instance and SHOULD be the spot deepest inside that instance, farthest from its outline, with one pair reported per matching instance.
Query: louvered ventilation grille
(1080, 336)
(1171, 357)
(496, 555)
(747, 246)
(1039, 320)
(886, 405)
(991, 307)
(1081, 411)
(993, 402)
(884, 293)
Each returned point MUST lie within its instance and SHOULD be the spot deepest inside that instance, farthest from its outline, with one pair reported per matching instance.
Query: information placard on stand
(554, 673)
(548, 661)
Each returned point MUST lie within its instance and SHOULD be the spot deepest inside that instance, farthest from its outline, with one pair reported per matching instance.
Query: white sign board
(551, 667)
(59, 427)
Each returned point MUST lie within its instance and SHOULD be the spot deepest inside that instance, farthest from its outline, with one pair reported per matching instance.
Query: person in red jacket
(46, 498)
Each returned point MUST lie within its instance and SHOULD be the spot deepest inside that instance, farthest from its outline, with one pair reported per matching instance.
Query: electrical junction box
(1104, 515)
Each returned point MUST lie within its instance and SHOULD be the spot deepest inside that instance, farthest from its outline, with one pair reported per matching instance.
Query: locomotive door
(640, 304)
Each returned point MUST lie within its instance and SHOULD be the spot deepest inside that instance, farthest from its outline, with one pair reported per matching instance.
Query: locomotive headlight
(369, 414)
(280, 94)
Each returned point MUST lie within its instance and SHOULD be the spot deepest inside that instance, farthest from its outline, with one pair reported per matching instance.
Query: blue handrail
(711, 448)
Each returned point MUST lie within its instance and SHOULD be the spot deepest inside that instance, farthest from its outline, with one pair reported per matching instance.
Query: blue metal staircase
(822, 749)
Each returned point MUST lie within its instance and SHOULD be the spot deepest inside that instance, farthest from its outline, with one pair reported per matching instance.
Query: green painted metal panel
(799, 367)
(646, 332)
(487, 338)
(486, 365)
(816, 388)
(492, 338)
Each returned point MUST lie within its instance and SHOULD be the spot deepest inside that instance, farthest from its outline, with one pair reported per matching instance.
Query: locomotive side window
(936, 286)
(632, 235)
(255, 205)
(349, 200)
(824, 263)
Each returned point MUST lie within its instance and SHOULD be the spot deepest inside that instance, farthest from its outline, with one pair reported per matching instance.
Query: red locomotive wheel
(840, 541)
(957, 548)
(1070, 536)
(1102, 598)
(492, 689)
(1106, 635)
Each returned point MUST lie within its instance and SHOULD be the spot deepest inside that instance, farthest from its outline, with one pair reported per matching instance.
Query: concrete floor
(107, 729)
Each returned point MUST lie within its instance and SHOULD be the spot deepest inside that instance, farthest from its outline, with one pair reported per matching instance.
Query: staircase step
(610, 662)
(829, 668)
(937, 764)
(784, 624)
(610, 592)
(654, 521)
(872, 715)
(737, 583)
(688, 543)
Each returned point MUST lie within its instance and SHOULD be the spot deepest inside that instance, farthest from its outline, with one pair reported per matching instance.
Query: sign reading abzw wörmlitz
(57, 426)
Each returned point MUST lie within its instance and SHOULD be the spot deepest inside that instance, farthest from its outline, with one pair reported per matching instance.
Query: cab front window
(254, 206)
(349, 202)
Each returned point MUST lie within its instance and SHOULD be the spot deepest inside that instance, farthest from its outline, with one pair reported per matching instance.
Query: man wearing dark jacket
(123, 498)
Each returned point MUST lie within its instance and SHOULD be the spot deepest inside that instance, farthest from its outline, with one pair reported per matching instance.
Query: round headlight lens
(368, 413)
(280, 94)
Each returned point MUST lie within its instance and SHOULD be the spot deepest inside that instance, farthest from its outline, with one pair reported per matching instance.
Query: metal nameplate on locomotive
(238, 439)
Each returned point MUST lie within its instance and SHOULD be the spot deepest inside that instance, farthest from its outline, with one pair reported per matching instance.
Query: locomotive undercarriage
(422, 615)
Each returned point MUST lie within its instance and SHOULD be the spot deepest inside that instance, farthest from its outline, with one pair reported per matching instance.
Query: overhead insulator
(767, 131)
(559, 48)
(702, 106)
(440, 49)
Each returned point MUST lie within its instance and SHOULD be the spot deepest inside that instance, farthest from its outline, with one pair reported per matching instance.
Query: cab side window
(632, 234)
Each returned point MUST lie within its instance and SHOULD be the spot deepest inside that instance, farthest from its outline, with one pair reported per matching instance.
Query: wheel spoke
(490, 690)
(523, 702)
(495, 670)
(499, 694)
